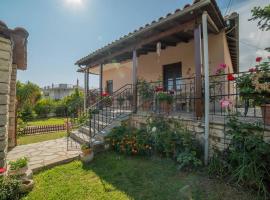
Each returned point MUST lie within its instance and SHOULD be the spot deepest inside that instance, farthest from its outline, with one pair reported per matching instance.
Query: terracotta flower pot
(86, 151)
(87, 158)
(146, 105)
(266, 113)
(165, 107)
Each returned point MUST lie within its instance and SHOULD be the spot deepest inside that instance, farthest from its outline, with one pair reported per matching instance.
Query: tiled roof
(152, 24)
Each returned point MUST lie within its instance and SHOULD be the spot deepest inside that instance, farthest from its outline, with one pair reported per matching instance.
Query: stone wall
(218, 140)
(5, 76)
(12, 108)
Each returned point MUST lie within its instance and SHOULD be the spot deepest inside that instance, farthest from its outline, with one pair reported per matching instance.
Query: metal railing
(108, 109)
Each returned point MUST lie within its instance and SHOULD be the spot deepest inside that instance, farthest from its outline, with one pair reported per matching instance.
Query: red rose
(230, 77)
(258, 59)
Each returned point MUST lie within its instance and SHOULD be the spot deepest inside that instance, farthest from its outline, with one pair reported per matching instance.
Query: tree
(44, 107)
(263, 15)
(74, 103)
(27, 94)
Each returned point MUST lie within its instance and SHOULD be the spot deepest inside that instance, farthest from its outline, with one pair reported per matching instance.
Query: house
(177, 54)
(59, 91)
(169, 51)
(13, 57)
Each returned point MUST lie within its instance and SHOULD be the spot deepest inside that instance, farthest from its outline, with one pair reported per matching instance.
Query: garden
(40, 119)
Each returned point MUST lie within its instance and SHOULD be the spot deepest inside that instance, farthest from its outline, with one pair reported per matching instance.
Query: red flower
(258, 59)
(159, 89)
(230, 77)
(253, 69)
(104, 94)
(2, 170)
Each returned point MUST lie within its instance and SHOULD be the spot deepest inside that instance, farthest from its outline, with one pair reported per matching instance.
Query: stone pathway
(44, 155)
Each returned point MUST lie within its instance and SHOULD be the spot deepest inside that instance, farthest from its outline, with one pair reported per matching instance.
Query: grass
(115, 177)
(40, 138)
(50, 121)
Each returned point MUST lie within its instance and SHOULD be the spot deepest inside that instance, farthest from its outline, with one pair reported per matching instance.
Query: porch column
(198, 71)
(101, 79)
(85, 91)
(206, 86)
(134, 79)
(87, 88)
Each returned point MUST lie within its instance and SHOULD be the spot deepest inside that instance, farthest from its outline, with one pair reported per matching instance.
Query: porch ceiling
(171, 30)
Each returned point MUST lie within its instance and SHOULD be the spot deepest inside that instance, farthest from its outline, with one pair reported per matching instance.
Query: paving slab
(44, 155)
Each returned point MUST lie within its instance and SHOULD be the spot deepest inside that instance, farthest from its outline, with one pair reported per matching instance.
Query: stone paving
(44, 155)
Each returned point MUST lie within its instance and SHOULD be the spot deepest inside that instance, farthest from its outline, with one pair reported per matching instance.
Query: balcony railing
(223, 90)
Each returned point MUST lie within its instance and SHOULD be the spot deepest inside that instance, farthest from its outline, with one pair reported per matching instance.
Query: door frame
(163, 72)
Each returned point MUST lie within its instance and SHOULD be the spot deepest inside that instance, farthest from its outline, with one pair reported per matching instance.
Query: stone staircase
(101, 124)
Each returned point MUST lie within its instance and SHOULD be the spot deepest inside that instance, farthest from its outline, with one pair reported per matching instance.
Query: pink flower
(253, 69)
(222, 66)
(225, 103)
(258, 59)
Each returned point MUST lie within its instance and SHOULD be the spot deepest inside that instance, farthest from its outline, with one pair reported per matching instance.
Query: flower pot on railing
(266, 113)
(146, 105)
(165, 101)
(165, 107)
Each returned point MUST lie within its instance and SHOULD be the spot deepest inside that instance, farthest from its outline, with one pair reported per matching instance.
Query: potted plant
(146, 93)
(18, 167)
(165, 101)
(106, 99)
(120, 100)
(256, 86)
(87, 153)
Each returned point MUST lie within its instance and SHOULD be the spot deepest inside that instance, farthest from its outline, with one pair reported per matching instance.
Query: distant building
(59, 91)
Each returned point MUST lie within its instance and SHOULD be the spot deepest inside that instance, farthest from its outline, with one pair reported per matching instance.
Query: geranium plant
(256, 84)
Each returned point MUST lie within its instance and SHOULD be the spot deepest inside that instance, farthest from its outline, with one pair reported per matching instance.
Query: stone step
(81, 138)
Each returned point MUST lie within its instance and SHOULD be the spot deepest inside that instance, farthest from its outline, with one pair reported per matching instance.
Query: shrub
(9, 188)
(247, 159)
(44, 107)
(161, 136)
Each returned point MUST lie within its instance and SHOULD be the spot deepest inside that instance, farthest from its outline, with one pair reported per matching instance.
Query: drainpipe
(206, 86)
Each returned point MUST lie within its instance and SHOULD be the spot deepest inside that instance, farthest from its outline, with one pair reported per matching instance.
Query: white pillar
(206, 86)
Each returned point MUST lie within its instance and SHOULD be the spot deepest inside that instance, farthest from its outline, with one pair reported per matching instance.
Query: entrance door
(109, 86)
(172, 74)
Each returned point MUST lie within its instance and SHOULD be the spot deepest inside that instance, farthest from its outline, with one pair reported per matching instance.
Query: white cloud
(252, 40)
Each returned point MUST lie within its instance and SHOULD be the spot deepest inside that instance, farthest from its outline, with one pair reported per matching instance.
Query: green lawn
(49, 121)
(40, 138)
(115, 177)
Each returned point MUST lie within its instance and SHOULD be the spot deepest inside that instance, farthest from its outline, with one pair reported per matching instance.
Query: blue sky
(62, 31)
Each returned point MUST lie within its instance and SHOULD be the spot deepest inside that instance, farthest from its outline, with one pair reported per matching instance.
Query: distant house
(59, 91)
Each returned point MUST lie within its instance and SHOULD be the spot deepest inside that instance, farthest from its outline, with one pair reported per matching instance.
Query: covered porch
(168, 53)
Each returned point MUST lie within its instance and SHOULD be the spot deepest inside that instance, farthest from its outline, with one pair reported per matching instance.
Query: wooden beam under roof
(129, 48)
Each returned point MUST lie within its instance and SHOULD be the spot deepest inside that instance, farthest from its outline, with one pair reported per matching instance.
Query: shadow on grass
(155, 178)
(143, 178)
